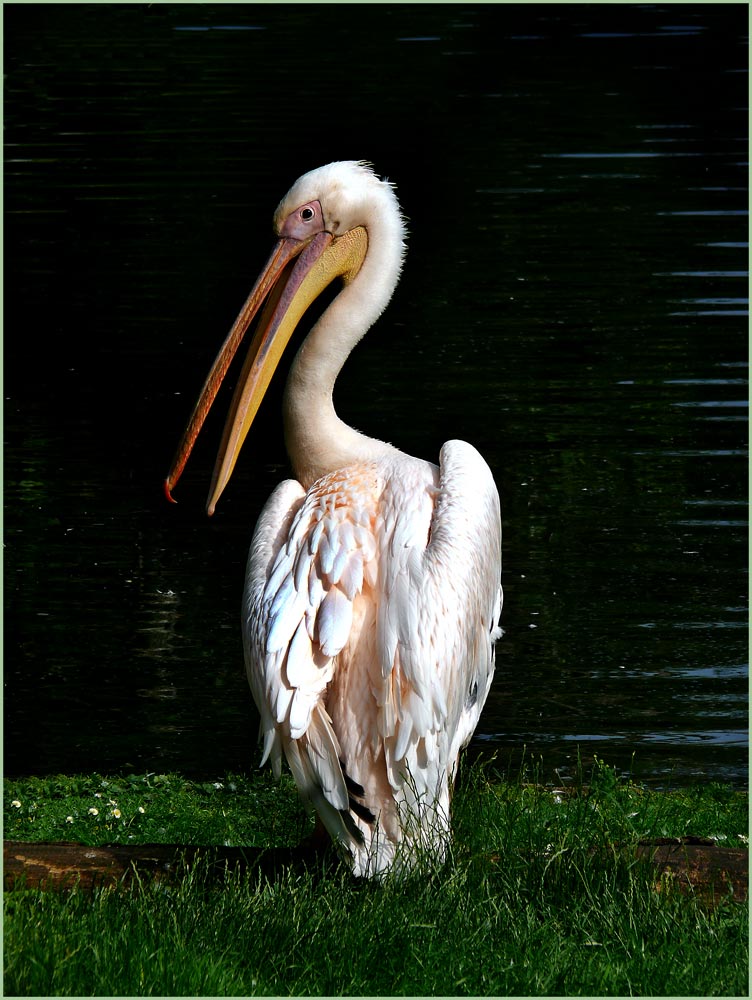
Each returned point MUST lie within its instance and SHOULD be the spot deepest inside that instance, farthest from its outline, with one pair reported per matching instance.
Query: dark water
(574, 303)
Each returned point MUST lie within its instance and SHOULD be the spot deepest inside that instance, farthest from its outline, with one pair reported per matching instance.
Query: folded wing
(371, 608)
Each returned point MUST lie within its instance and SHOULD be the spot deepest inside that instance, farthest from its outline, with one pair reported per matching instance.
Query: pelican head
(339, 220)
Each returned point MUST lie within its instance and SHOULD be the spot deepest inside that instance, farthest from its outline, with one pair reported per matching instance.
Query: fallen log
(63, 865)
(696, 864)
(688, 864)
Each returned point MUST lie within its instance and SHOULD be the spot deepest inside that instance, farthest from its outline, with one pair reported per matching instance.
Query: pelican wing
(268, 538)
(441, 601)
(310, 558)
(375, 597)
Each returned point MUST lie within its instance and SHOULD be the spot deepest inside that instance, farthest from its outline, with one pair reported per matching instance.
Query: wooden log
(696, 865)
(63, 865)
(687, 864)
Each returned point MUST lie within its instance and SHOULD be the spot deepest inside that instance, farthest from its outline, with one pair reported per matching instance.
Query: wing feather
(334, 621)
(302, 670)
(351, 580)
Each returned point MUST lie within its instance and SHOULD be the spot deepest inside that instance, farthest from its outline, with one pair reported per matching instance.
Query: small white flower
(116, 813)
(97, 795)
(141, 809)
(743, 837)
(93, 811)
(16, 804)
(218, 785)
(111, 802)
(631, 815)
(68, 819)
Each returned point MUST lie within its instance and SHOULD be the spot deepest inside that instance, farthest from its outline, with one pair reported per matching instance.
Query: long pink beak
(285, 288)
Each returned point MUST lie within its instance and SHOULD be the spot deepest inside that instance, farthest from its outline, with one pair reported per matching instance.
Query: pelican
(372, 594)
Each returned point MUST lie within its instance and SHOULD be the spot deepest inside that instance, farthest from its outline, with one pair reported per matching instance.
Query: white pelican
(372, 593)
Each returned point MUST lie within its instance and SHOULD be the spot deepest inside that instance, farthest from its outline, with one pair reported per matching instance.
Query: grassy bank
(534, 900)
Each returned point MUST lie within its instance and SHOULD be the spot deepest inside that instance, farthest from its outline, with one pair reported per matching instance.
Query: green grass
(253, 811)
(534, 900)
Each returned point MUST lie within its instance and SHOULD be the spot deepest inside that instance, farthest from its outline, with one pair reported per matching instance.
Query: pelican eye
(306, 214)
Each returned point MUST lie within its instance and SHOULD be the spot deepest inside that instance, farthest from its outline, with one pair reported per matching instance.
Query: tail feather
(323, 756)
(314, 762)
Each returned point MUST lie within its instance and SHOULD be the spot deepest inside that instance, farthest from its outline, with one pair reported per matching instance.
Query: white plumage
(373, 592)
